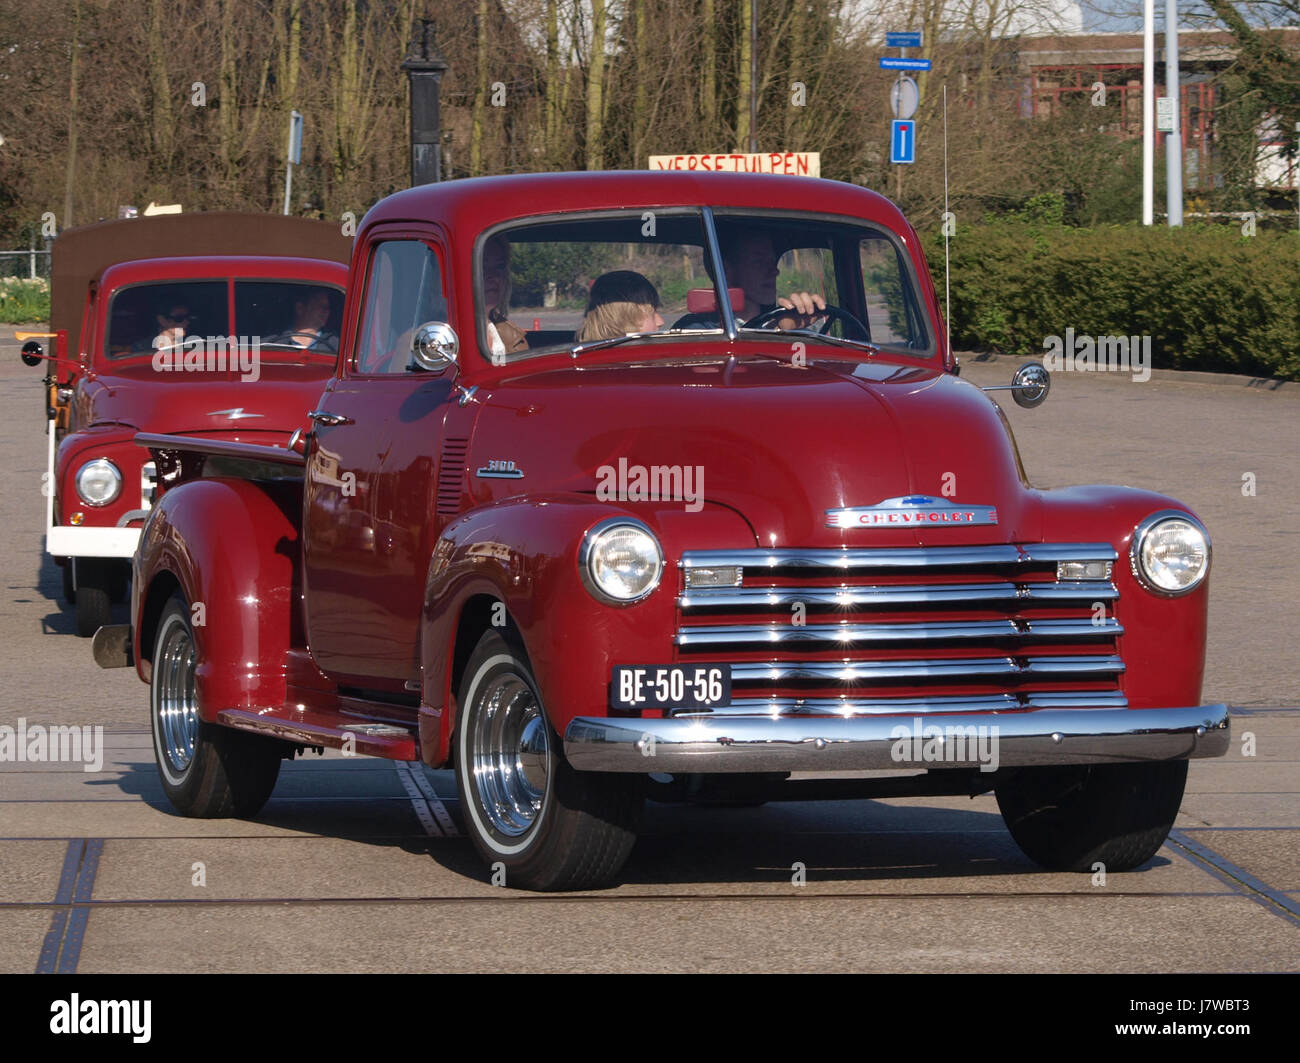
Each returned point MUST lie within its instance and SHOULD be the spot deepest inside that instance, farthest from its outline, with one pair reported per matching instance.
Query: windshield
(598, 279)
(287, 319)
(290, 317)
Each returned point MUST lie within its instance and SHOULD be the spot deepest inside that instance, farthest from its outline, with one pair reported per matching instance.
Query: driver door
(368, 524)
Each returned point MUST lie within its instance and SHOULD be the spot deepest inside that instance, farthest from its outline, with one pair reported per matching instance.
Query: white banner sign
(794, 163)
(1164, 114)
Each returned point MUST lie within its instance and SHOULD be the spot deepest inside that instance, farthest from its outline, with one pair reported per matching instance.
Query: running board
(364, 738)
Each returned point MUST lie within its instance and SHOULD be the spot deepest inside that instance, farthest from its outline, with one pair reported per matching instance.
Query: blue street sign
(887, 63)
(903, 40)
(902, 142)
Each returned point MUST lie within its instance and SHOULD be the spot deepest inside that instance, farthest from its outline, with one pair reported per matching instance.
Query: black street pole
(424, 66)
(753, 77)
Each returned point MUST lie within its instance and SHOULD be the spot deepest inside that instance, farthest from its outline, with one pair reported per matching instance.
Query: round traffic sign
(904, 96)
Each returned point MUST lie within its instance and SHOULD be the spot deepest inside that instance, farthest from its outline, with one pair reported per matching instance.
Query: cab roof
(81, 255)
(481, 202)
(240, 267)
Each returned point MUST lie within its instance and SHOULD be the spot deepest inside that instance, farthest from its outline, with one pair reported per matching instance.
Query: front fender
(117, 444)
(1163, 645)
(523, 551)
(232, 546)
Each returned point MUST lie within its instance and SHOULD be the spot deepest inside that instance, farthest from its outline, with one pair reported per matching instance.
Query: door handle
(322, 417)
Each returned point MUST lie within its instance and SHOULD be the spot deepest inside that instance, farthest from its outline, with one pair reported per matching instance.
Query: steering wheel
(707, 319)
(832, 312)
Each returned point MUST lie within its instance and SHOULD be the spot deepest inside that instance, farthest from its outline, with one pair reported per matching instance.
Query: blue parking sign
(902, 144)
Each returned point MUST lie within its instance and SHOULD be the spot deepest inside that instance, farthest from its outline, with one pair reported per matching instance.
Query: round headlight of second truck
(99, 482)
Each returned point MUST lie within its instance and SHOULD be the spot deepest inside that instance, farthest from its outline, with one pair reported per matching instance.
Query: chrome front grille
(148, 484)
(864, 671)
(845, 634)
(750, 597)
(907, 630)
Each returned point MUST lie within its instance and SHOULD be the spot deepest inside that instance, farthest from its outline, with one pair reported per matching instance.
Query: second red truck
(224, 325)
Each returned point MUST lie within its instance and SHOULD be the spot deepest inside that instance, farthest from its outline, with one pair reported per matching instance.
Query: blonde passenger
(620, 303)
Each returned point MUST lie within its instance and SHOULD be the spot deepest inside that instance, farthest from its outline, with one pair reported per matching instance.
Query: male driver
(750, 261)
(311, 312)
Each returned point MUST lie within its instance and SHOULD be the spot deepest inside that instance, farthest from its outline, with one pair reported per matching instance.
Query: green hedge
(1208, 297)
(24, 301)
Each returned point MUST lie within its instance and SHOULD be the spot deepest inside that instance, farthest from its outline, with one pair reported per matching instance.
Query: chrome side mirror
(1029, 387)
(435, 346)
(1032, 382)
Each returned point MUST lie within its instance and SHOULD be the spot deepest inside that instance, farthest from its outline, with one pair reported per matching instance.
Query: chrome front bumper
(762, 743)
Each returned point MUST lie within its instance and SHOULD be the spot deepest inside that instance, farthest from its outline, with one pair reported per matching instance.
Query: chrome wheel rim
(510, 751)
(176, 713)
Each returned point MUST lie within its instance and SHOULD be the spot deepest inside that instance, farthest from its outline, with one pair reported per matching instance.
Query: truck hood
(139, 397)
(778, 443)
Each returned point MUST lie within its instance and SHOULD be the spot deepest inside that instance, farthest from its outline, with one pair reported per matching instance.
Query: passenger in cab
(172, 319)
(504, 336)
(620, 303)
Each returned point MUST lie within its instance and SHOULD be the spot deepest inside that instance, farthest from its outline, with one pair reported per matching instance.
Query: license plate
(670, 686)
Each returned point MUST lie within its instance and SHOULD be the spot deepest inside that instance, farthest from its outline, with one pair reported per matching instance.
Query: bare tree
(595, 145)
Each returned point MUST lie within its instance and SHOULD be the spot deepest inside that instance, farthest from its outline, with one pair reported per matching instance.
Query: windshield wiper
(855, 345)
(595, 345)
(612, 341)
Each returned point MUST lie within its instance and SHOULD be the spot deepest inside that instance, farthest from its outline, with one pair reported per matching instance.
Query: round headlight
(621, 560)
(1171, 553)
(98, 482)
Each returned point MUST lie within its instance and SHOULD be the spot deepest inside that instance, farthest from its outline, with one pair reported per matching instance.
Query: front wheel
(1070, 818)
(93, 595)
(207, 771)
(547, 826)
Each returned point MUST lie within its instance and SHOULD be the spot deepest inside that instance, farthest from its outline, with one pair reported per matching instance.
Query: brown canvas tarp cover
(81, 255)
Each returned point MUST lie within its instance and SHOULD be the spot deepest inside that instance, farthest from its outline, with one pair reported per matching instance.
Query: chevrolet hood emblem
(910, 510)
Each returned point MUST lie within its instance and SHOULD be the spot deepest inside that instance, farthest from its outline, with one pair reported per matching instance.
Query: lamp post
(753, 76)
(1148, 110)
(294, 154)
(424, 66)
(1174, 138)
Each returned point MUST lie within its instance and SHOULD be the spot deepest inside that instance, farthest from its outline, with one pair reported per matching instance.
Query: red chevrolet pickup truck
(667, 485)
(174, 324)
